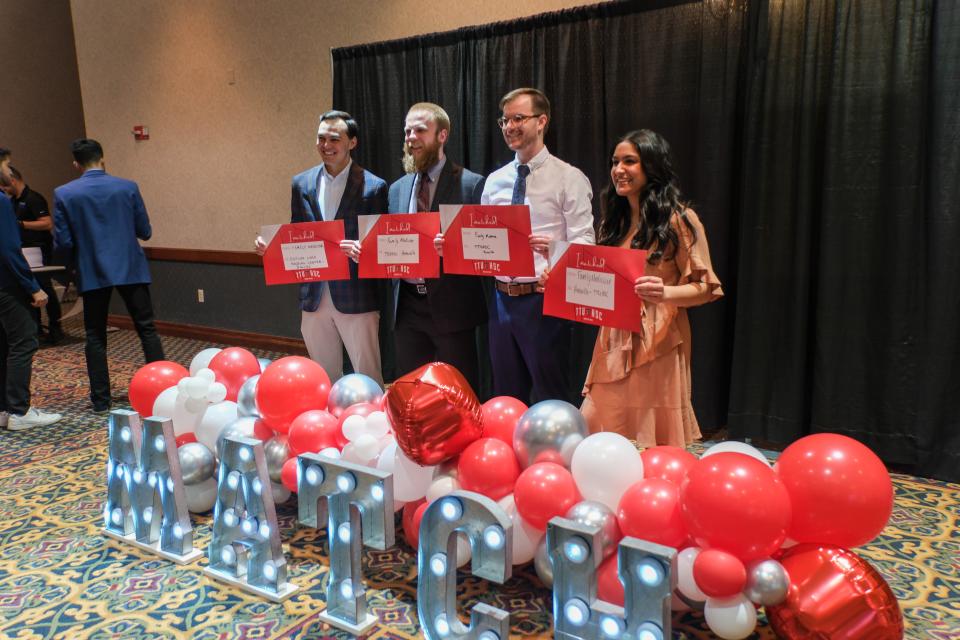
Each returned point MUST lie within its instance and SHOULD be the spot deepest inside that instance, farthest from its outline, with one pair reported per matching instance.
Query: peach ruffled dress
(639, 383)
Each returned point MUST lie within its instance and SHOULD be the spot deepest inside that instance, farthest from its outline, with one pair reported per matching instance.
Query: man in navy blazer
(434, 319)
(97, 219)
(340, 313)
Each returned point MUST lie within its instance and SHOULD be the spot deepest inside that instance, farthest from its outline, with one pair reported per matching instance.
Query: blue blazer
(456, 301)
(14, 270)
(97, 219)
(364, 194)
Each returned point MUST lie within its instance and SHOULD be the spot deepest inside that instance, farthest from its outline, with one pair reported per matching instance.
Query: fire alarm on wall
(141, 132)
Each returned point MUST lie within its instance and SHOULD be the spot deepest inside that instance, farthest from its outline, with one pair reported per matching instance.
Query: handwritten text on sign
(485, 244)
(303, 255)
(398, 249)
(590, 288)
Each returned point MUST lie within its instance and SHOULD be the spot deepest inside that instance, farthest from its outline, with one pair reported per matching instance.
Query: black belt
(415, 288)
(513, 289)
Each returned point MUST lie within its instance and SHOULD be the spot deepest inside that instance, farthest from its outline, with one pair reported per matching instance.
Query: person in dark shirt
(36, 230)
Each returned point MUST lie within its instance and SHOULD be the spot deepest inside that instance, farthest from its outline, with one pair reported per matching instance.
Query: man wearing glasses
(529, 351)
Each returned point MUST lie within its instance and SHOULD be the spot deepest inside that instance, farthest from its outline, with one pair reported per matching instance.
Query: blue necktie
(520, 185)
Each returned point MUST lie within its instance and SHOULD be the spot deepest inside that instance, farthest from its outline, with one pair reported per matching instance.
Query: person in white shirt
(342, 313)
(529, 351)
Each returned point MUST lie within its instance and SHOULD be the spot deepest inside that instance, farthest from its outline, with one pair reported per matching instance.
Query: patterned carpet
(59, 578)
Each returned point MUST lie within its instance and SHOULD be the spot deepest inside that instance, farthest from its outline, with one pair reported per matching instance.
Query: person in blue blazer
(97, 219)
(340, 313)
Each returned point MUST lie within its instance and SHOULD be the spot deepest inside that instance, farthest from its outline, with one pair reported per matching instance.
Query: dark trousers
(96, 305)
(18, 343)
(529, 352)
(418, 342)
(53, 304)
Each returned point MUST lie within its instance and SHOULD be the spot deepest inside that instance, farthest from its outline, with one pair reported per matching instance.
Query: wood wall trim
(204, 256)
(247, 339)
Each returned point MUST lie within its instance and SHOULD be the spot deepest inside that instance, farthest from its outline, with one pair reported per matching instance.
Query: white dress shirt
(559, 198)
(330, 191)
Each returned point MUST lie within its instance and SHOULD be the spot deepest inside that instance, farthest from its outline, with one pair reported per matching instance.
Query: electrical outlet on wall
(199, 295)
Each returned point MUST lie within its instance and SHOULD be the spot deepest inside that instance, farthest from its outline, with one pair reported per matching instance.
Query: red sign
(304, 252)
(487, 240)
(399, 245)
(594, 285)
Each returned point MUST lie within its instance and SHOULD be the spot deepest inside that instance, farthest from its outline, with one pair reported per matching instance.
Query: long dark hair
(659, 200)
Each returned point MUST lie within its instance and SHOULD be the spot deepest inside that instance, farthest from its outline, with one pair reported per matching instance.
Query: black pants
(418, 341)
(96, 305)
(18, 343)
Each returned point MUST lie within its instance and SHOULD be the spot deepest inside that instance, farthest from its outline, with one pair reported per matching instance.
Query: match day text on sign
(303, 255)
(590, 288)
(485, 244)
(398, 249)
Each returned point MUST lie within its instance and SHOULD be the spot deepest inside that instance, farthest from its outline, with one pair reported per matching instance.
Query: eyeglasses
(516, 120)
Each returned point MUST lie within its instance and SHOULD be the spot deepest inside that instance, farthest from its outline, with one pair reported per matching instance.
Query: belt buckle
(513, 289)
(422, 289)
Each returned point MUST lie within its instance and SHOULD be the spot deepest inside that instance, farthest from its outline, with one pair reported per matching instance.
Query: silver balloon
(549, 431)
(352, 389)
(767, 583)
(196, 462)
(243, 427)
(264, 363)
(201, 496)
(247, 398)
(542, 564)
(600, 515)
(276, 451)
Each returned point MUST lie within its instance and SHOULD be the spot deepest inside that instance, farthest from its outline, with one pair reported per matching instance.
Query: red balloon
(312, 431)
(544, 490)
(836, 594)
(840, 490)
(288, 387)
(261, 431)
(288, 474)
(412, 516)
(500, 417)
(233, 366)
(362, 409)
(488, 466)
(733, 502)
(185, 438)
(434, 412)
(668, 463)
(650, 510)
(609, 587)
(150, 380)
(719, 574)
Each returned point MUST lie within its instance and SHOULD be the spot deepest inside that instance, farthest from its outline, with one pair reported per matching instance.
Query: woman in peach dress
(639, 383)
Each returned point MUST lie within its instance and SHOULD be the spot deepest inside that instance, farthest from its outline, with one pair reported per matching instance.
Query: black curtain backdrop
(819, 142)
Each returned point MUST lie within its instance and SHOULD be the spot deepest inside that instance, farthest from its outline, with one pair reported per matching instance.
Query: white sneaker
(4, 417)
(32, 418)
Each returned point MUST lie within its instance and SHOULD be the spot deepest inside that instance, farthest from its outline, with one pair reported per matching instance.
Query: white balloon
(216, 392)
(464, 552)
(214, 420)
(377, 424)
(604, 466)
(196, 405)
(353, 427)
(206, 374)
(183, 384)
(184, 420)
(352, 453)
(387, 461)
(280, 493)
(368, 447)
(526, 537)
(732, 446)
(165, 402)
(685, 581)
(441, 486)
(202, 359)
(331, 452)
(410, 480)
(732, 618)
(197, 387)
(201, 496)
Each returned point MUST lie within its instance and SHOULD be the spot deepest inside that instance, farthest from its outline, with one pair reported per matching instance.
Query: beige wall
(40, 111)
(230, 90)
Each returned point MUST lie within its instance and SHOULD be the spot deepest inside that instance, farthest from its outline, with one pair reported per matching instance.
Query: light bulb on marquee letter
(490, 533)
(146, 505)
(244, 545)
(360, 507)
(644, 569)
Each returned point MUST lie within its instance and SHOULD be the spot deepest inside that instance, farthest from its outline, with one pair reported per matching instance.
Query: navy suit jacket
(364, 194)
(14, 270)
(97, 219)
(456, 302)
